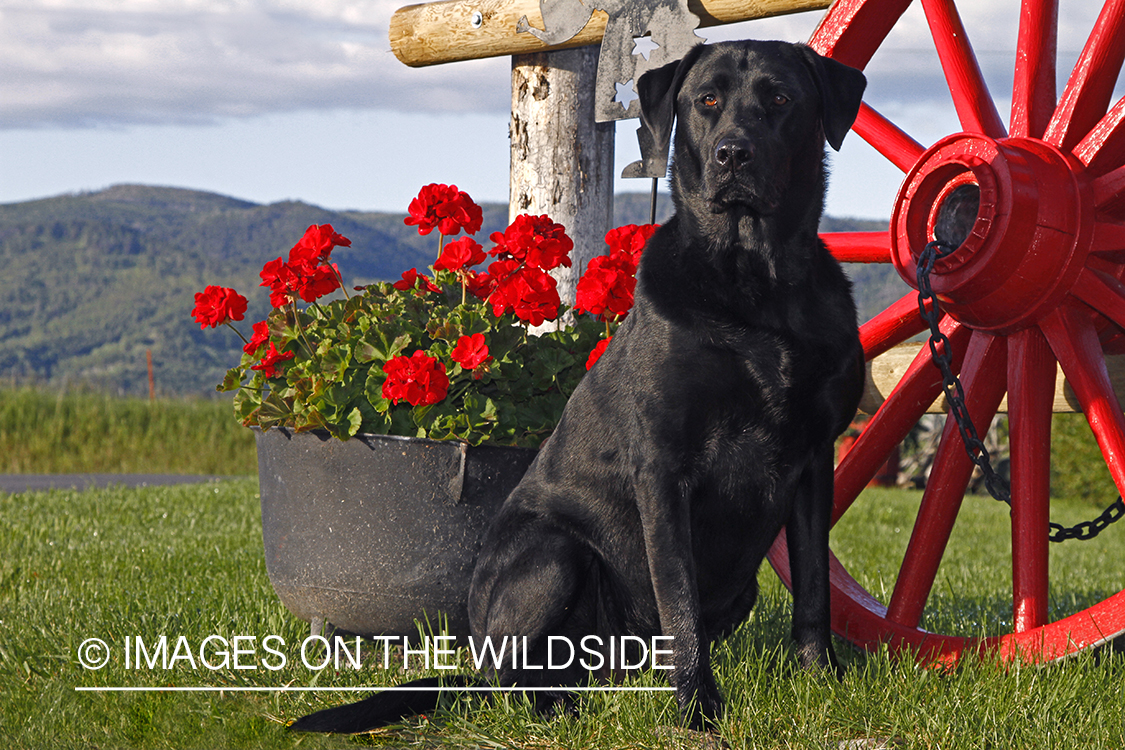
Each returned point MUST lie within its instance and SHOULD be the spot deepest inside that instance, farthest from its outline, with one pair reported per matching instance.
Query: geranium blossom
(260, 335)
(444, 207)
(629, 241)
(417, 380)
(471, 351)
(606, 289)
(317, 244)
(529, 293)
(460, 254)
(479, 284)
(288, 281)
(599, 350)
(535, 240)
(411, 280)
(216, 305)
(269, 362)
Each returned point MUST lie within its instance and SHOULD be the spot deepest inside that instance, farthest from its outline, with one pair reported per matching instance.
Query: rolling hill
(92, 281)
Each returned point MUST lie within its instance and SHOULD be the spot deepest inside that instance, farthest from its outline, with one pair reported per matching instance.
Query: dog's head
(751, 118)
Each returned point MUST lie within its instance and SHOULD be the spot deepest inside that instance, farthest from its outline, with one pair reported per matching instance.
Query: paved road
(32, 482)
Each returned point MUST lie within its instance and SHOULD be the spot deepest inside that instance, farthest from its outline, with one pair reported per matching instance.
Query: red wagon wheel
(1037, 280)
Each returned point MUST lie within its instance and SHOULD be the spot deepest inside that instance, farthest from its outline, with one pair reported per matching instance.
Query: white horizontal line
(400, 688)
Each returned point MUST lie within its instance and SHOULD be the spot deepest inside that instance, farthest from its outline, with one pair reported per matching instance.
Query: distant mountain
(93, 280)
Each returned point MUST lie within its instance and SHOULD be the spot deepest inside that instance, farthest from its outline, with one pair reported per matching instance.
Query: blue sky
(269, 100)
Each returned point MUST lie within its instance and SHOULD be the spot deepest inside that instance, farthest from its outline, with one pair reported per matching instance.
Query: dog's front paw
(702, 707)
(816, 656)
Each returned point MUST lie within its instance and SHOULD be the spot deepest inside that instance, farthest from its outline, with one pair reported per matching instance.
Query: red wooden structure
(1039, 279)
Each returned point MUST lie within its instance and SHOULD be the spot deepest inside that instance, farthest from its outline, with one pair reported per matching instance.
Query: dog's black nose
(734, 152)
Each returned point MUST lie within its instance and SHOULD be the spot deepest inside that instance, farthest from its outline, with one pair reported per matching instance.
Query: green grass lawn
(187, 561)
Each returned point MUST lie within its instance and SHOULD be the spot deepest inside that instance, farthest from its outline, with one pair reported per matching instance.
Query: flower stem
(301, 330)
(231, 326)
(340, 279)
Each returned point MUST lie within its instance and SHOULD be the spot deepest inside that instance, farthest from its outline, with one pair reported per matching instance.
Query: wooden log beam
(456, 30)
(884, 372)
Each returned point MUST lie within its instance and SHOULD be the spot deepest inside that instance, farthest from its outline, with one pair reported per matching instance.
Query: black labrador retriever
(708, 424)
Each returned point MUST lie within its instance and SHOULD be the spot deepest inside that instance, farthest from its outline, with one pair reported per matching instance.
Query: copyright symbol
(93, 653)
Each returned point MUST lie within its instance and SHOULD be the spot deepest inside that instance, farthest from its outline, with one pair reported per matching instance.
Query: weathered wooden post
(562, 160)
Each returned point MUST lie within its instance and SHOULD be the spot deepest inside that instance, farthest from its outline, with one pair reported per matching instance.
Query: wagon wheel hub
(1017, 211)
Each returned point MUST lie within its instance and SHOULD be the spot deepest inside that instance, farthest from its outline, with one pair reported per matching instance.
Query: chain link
(955, 397)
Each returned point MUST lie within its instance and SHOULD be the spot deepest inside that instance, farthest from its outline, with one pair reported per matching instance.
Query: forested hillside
(92, 281)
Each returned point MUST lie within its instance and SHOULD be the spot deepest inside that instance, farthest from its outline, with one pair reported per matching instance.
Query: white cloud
(117, 62)
(86, 62)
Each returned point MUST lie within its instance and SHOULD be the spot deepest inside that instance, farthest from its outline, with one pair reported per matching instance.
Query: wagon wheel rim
(1036, 279)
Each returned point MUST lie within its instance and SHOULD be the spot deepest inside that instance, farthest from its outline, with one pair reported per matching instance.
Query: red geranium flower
(606, 289)
(444, 207)
(288, 281)
(471, 351)
(630, 240)
(535, 240)
(269, 363)
(599, 350)
(479, 284)
(261, 334)
(411, 279)
(528, 292)
(216, 305)
(459, 254)
(418, 380)
(317, 244)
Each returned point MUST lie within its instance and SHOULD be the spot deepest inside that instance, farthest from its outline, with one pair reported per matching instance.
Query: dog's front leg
(807, 534)
(666, 519)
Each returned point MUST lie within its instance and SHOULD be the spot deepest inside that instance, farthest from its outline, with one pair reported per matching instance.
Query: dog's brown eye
(710, 100)
(780, 100)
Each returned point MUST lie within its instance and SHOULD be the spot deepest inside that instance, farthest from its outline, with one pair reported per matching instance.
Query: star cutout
(626, 94)
(643, 45)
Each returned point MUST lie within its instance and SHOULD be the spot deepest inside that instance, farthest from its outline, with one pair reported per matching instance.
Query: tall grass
(188, 561)
(45, 433)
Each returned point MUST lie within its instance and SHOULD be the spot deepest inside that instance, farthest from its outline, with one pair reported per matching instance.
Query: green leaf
(273, 411)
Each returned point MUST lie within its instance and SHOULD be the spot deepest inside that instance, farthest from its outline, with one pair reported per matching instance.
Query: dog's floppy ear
(657, 90)
(841, 91)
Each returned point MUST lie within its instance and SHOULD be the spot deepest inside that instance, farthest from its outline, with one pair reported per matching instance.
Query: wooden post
(562, 161)
(151, 378)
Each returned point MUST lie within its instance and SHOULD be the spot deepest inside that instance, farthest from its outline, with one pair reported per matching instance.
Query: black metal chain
(955, 397)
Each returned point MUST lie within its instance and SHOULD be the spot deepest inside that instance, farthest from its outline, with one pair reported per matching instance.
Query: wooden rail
(884, 372)
(455, 30)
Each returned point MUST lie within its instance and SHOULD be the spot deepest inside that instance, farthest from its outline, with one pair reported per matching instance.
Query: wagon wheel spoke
(903, 408)
(1033, 89)
(983, 380)
(1087, 93)
(1103, 148)
(887, 138)
(894, 325)
(1074, 340)
(975, 108)
(1111, 238)
(1103, 293)
(1109, 198)
(852, 30)
(859, 247)
(1031, 390)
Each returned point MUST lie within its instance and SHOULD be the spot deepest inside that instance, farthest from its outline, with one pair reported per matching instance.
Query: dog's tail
(385, 707)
